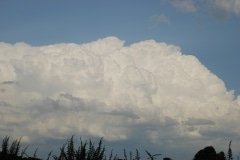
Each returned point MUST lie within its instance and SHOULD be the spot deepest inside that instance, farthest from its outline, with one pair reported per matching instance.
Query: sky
(160, 75)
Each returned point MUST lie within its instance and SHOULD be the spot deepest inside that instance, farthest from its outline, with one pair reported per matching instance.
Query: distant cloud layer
(147, 90)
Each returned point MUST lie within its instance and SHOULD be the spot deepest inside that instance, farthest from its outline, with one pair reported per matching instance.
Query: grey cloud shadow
(198, 121)
(220, 134)
(4, 104)
(9, 83)
(6, 129)
(2, 90)
(125, 113)
(65, 102)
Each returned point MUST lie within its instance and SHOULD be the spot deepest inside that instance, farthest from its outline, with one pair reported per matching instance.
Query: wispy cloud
(162, 19)
(222, 8)
(158, 20)
(183, 5)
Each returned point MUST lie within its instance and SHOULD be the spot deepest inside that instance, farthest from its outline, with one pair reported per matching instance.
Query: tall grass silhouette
(87, 150)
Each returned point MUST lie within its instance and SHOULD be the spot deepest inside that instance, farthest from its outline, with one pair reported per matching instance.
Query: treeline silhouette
(89, 151)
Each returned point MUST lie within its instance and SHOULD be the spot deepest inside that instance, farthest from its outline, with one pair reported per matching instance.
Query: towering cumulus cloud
(147, 91)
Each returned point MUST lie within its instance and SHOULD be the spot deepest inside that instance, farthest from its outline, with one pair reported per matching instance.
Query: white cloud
(106, 89)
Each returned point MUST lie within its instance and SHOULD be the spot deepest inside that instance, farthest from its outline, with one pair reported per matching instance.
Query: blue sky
(206, 29)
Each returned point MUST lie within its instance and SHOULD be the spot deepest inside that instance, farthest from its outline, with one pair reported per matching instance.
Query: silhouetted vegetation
(12, 152)
(209, 153)
(229, 156)
(152, 157)
(89, 151)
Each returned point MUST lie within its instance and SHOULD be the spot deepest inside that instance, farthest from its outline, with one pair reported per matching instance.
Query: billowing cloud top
(106, 89)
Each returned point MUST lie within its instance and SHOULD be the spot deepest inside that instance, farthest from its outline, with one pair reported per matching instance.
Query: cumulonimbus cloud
(106, 89)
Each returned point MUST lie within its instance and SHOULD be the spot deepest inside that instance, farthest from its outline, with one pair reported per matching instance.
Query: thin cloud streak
(187, 6)
(184, 5)
(220, 9)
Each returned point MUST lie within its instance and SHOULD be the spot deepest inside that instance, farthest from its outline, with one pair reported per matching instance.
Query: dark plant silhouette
(11, 152)
(221, 156)
(137, 157)
(152, 157)
(82, 153)
(229, 155)
(89, 151)
(209, 153)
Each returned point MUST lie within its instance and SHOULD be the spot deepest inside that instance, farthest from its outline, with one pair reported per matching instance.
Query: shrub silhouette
(209, 153)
